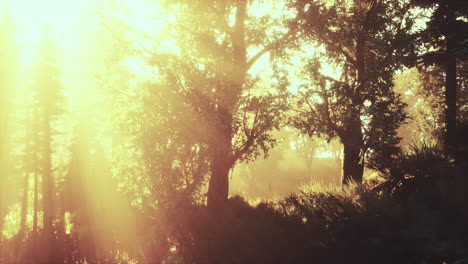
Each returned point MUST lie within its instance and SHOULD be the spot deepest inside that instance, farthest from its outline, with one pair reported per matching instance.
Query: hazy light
(62, 17)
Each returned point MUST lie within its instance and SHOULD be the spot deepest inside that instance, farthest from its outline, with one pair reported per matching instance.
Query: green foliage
(172, 148)
(256, 118)
(383, 139)
(447, 20)
(422, 90)
(202, 103)
(367, 41)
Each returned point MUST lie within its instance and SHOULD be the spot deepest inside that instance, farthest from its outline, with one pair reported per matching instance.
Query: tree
(28, 163)
(225, 112)
(423, 91)
(446, 36)
(367, 41)
(76, 194)
(49, 97)
(9, 72)
(307, 148)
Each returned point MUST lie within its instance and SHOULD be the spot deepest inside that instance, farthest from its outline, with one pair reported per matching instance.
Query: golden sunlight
(61, 17)
(230, 131)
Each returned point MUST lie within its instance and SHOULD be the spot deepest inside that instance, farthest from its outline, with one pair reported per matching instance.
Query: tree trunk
(218, 189)
(35, 213)
(24, 204)
(222, 161)
(352, 137)
(35, 165)
(451, 96)
(4, 164)
(36, 200)
(24, 210)
(27, 175)
(353, 150)
(353, 166)
(47, 193)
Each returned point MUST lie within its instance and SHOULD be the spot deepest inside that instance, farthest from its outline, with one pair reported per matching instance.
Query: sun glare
(62, 17)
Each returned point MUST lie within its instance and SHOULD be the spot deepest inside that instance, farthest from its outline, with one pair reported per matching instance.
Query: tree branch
(250, 140)
(269, 47)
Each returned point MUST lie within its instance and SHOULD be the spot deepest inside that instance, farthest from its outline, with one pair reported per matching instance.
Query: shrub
(354, 225)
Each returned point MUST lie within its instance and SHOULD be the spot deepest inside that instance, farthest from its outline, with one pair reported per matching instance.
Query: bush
(422, 165)
(239, 233)
(354, 225)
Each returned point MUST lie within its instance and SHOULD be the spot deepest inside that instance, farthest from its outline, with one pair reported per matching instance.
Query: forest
(233, 131)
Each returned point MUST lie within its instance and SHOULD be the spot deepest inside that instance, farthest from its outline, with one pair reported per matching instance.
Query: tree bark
(353, 167)
(353, 150)
(218, 189)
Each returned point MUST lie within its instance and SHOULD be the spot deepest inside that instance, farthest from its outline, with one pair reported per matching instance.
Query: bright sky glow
(63, 17)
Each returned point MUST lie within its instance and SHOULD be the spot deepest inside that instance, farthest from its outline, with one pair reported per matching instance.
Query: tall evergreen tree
(49, 97)
(445, 38)
(9, 72)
